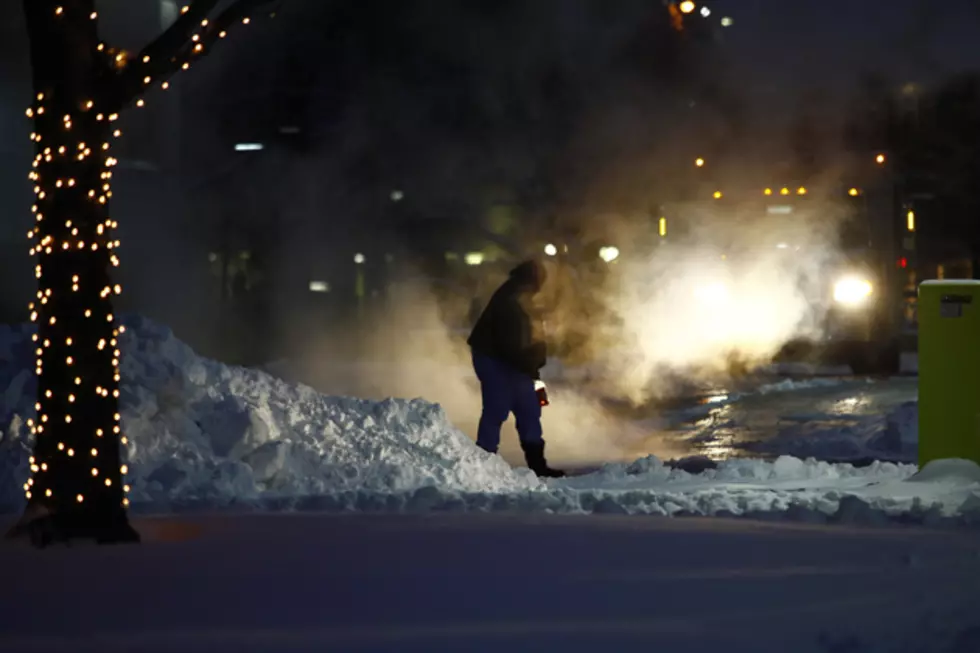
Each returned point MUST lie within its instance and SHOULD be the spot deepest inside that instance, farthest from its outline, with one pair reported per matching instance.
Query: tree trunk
(77, 475)
(77, 486)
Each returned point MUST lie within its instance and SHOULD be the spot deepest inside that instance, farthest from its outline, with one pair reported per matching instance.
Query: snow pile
(202, 431)
(893, 437)
(807, 490)
(207, 436)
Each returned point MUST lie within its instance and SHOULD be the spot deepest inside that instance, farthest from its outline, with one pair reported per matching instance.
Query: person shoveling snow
(508, 355)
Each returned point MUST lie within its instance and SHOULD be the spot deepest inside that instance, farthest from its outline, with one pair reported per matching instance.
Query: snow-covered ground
(842, 420)
(893, 436)
(204, 436)
(489, 583)
(443, 547)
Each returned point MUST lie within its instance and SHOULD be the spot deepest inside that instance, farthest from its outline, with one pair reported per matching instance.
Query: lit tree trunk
(80, 86)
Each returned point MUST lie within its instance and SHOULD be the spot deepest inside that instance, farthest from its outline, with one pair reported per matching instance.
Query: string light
(67, 314)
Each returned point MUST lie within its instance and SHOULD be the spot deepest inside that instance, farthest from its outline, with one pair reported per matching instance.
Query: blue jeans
(505, 391)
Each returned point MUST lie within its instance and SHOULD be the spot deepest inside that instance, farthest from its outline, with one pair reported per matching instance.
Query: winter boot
(534, 455)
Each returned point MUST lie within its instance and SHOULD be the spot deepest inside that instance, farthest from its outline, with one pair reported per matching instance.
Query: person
(507, 357)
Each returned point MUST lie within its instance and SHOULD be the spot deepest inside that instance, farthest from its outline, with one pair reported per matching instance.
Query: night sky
(782, 47)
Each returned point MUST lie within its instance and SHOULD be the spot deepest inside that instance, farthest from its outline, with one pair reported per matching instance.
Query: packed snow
(208, 436)
(302, 582)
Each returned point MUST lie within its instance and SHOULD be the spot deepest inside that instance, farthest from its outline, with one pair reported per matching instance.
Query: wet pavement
(720, 424)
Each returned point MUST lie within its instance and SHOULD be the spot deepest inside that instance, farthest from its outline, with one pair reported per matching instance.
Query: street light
(474, 258)
(359, 258)
(687, 6)
(880, 159)
(717, 195)
(726, 21)
(609, 254)
(550, 250)
(249, 147)
(699, 162)
(911, 220)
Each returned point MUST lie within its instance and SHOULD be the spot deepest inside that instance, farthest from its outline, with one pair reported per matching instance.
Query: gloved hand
(542, 391)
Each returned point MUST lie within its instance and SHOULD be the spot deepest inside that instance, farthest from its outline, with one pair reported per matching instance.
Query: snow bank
(208, 436)
(202, 431)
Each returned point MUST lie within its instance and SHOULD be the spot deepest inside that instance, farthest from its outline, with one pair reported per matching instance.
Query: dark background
(487, 120)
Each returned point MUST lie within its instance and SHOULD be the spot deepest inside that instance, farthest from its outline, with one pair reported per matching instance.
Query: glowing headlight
(852, 291)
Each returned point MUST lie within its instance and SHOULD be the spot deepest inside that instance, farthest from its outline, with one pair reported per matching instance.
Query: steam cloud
(410, 351)
(726, 295)
(730, 295)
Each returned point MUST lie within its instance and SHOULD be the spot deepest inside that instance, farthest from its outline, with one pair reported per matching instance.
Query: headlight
(852, 291)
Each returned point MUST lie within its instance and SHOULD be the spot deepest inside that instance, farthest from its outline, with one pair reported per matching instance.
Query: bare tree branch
(153, 59)
(216, 30)
(177, 34)
(189, 38)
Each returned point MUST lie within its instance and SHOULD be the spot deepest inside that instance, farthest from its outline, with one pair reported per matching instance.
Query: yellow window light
(910, 218)
(663, 227)
(801, 191)
(784, 191)
(767, 191)
(853, 192)
(717, 195)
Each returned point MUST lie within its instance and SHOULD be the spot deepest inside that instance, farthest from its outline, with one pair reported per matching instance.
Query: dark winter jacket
(505, 330)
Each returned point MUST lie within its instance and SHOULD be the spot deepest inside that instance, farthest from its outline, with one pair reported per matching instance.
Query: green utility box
(949, 370)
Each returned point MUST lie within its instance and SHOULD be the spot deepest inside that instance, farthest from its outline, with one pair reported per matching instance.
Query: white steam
(407, 350)
(731, 289)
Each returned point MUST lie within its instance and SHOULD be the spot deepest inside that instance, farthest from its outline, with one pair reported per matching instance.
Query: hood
(530, 274)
